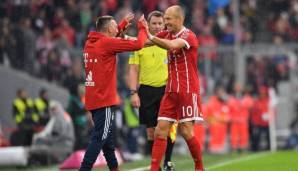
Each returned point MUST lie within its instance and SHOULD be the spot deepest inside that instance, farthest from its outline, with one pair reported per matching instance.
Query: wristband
(123, 24)
(132, 92)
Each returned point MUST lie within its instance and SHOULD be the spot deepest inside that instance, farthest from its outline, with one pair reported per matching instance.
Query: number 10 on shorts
(187, 111)
(190, 110)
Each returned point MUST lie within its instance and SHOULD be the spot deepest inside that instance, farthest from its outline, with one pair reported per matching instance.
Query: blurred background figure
(3, 141)
(260, 121)
(132, 129)
(25, 117)
(240, 105)
(80, 117)
(292, 141)
(218, 116)
(42, 106)
(56, 141)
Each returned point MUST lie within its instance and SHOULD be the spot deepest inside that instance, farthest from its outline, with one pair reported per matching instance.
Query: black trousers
(257, 133)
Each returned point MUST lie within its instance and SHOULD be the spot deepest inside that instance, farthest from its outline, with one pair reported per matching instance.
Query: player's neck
(179, 30)
(152, 32)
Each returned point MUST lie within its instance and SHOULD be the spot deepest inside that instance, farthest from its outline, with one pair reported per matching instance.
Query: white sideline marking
(140, 169)
(250, 157)
(224, 163)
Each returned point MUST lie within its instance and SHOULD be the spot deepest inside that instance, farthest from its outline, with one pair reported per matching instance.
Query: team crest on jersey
(89, 80)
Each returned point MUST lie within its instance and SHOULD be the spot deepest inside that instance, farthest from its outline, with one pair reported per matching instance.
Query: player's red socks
(115, 169)
(195, 150)
(158, 150)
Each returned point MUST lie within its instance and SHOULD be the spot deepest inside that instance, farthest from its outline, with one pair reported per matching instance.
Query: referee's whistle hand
(135, 100)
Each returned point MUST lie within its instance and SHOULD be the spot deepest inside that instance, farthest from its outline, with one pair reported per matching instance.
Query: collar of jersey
(95, 34)
(176, 35)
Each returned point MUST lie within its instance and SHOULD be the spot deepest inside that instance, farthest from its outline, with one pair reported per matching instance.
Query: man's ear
(109, 29)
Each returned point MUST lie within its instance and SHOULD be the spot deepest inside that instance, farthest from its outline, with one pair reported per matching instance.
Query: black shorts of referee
(150, 98)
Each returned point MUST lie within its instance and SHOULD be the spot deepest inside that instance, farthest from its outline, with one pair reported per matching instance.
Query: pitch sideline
(246, 158)
(140, 169)
(220, 164)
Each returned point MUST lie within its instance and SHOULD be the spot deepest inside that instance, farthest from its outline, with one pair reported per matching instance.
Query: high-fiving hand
(128, 17)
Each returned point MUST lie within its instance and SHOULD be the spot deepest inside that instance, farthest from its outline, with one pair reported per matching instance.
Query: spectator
(73, 16)
(53, 68)
(209, 43)
(65, 31)
(85, 14)
(74, 77)
(282, 27)
(58, 17)
(29, 38)
(44, 45)
(7, 42)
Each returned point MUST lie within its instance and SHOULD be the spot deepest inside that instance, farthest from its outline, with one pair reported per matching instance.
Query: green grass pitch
(265, 161)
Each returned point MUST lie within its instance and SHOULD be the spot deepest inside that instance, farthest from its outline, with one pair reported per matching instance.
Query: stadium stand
(41, 46)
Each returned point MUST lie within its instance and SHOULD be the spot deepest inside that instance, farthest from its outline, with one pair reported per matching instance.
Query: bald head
(174, 18)
(176, 11)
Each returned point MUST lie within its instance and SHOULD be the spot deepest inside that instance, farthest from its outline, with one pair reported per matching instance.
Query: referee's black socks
(169, 150)
(149, 147)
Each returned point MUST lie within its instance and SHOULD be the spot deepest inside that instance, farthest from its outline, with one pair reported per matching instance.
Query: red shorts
(181, 107)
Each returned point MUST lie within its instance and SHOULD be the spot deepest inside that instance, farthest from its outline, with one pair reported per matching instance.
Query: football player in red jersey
(100, 52)
(181, 101)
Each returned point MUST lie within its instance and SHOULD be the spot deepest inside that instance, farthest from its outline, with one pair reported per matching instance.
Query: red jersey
(260, 112)
(100, 66)
(182, 63)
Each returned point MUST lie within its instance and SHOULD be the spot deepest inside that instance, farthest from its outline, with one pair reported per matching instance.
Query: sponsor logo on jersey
(89, 80)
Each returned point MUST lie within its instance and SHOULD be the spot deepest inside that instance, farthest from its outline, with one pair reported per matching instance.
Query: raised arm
(117, 45)
(124, 24)
(165, 43)
(169, 44)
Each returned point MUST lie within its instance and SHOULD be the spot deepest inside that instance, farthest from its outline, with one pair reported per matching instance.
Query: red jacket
(260, 115)
(100, 66)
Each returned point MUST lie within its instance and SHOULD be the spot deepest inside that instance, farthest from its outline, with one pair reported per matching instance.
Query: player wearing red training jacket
(182, 100)
(100, 52)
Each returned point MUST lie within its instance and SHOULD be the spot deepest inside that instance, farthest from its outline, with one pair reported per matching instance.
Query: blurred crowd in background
(45, 39)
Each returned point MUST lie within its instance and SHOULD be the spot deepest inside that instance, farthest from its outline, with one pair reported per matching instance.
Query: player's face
(156, 24)
(171, 22)
(113, 28)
